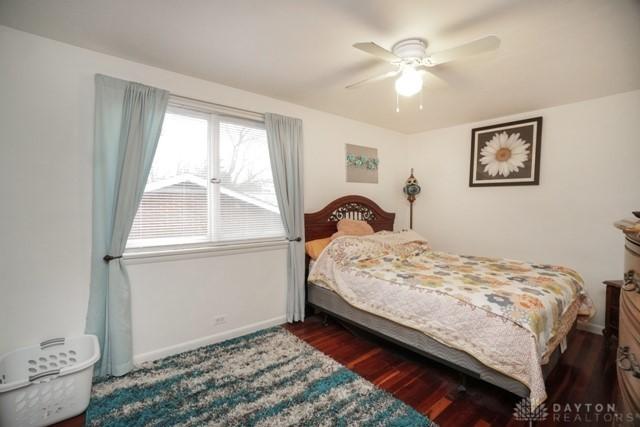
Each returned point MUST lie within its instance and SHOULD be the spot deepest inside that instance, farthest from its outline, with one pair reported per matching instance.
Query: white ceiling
(553, 51)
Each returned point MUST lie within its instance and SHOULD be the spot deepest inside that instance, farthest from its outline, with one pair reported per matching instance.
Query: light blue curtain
(284, 135)
(128, 121)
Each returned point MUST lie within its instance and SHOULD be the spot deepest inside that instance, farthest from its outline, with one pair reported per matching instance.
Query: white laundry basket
(44, 384)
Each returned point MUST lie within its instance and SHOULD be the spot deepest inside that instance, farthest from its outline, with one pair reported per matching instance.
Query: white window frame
(213, 113)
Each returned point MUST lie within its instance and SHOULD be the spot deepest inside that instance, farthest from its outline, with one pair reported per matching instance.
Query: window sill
(150, 255)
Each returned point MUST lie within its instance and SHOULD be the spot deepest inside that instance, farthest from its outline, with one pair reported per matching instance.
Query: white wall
(46, 136)
(589, 178)
(175, 303)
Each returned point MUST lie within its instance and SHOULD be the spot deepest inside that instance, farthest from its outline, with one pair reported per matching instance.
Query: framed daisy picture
(506, 154)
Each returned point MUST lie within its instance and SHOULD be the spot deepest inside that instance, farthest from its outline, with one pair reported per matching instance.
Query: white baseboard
(591, 327)
(208, 340)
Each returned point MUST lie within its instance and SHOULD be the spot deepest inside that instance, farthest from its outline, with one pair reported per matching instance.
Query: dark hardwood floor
(71, 422)
(585, 374)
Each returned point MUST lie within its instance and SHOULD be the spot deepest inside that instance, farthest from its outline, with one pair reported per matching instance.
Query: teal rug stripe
(322, 385)
(267, 378)
(220, 405)
(165, 408)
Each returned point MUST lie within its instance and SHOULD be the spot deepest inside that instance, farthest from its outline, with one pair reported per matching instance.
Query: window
(210, 181)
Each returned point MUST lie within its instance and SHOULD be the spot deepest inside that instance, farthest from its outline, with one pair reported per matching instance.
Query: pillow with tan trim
(352, 227)
(315, 247)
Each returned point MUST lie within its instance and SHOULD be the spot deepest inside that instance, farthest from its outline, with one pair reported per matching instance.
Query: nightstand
(611, 315)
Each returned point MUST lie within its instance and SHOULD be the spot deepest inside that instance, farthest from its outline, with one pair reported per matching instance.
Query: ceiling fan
(411, 60)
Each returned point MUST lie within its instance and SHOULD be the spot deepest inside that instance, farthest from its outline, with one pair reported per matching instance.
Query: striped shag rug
(268, 378)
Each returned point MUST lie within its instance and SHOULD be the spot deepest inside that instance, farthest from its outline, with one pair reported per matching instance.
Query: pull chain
(398, 102)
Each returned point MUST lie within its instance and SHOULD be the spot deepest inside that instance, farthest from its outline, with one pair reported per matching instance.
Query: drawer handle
(631, 281)
(627, 361)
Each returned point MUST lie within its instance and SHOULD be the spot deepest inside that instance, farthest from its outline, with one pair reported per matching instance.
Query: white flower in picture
(504, 154)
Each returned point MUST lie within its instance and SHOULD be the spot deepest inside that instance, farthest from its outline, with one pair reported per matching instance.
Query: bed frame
(322, 224)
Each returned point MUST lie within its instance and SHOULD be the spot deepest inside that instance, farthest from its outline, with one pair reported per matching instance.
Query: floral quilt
(508, 314)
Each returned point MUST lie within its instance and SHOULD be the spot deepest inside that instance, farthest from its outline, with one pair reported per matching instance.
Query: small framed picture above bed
(362, 164)
(506, 154)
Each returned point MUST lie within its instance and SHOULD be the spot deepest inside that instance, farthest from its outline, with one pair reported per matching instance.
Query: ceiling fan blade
(484, 44)
(375, 50)
(374, 79)
(433, 76)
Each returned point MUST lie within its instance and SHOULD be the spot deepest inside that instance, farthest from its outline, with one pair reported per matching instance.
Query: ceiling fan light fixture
(409, 83)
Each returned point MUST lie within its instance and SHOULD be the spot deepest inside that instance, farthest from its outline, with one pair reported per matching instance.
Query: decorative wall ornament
(506, 154)
(352, 211)
(362, 164)
(411, 189)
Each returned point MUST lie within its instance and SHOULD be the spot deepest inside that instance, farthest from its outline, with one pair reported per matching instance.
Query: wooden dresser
(629, 328)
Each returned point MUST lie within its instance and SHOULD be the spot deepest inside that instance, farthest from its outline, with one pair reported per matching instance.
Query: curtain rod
(217, 105)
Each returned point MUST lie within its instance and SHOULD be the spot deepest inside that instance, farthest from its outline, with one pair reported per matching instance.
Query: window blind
(248, 208)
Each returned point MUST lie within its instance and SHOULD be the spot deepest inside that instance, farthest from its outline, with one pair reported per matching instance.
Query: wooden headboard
(318, 225)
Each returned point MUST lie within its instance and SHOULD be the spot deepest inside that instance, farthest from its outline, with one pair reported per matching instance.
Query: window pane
(174, 208)
(247, 205)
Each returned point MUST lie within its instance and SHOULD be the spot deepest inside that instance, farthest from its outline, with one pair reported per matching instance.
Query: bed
(374, 319)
